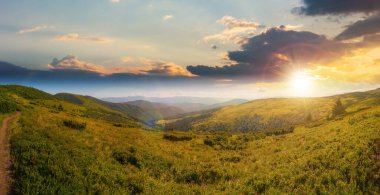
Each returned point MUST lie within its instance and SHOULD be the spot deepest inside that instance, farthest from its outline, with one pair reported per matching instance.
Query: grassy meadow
(57, 147)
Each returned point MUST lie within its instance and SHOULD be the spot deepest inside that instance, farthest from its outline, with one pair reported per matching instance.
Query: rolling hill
(57, 147)
(143, 111)
(187, 104)
(273, 113)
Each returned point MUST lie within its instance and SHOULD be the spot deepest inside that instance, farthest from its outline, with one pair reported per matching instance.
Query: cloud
(272, 55)
(115, 1)
(161, 68)
(167, 17)
(126, 59)
(73, 63)
(370, 25)
(35, 29)
(367, 26)
(77, 37)
(273, 52)
(236, 31)
(337, 7)
(146, 67)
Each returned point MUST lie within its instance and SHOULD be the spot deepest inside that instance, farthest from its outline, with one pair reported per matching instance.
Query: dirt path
(5, 158)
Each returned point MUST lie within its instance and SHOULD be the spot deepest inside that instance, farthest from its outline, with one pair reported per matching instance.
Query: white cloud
(72, 62)
(126, 59)
(158, 68)
(292, 27)
(35, 29)
(167, 17)
(115, 1)
(236, 30)
(77, 37)
(146, 67)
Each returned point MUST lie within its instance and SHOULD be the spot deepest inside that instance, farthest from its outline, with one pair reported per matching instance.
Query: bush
(8, 106)
(198, 177)
(74, 124)
(233, 159)
(118, 125)
(225, 142)
(172, 137)
(126, 158)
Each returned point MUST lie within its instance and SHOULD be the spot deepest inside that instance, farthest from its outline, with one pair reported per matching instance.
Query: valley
(71, 144)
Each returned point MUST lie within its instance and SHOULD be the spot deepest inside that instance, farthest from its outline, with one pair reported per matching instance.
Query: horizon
(220, 99)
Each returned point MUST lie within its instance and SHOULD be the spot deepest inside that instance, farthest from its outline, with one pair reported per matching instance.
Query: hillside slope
(62, 151)
(95, 106)
(273, 113)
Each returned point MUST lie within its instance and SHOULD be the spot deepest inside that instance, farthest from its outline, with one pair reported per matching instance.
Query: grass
(337, 156)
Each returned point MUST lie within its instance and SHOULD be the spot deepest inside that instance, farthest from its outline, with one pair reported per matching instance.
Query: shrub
(233, 159)
(172, 137)
(126, 158)
(60, 107)
(199, 177)
(280, 131)
(8, 106)
(118, 125)
(74, 124)
(225, 142)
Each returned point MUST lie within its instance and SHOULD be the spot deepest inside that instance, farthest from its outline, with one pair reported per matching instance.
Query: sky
(209, 48)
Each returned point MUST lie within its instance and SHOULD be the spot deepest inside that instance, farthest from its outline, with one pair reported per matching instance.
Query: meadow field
(58, 147)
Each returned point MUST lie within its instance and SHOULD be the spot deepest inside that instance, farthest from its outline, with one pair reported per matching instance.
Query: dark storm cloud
(273, 52)
(368, 26)
(336, 7)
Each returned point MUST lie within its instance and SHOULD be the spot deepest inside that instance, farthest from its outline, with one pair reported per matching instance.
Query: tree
(338, 108)
(60, 107)
(309, 117)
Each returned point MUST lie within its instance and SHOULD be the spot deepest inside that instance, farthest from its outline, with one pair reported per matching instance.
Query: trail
(5, 158)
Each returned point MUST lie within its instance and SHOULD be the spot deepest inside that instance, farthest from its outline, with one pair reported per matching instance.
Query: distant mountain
(196, 107)
(191, 107)
(98, 107)
(233, 102)
(169, 100)
(185, 103)
(111, 112)
(159, 110)
(143, 111)
(7, 70)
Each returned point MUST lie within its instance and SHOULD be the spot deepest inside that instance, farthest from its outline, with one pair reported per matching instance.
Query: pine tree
(338, 108)
(60, 107)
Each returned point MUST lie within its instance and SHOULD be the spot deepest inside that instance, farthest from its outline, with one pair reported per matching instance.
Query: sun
(301, 83)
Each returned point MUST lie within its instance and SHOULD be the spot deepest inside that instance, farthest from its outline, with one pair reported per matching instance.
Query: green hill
(58, 148)
(98, 107)
(273, 113)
